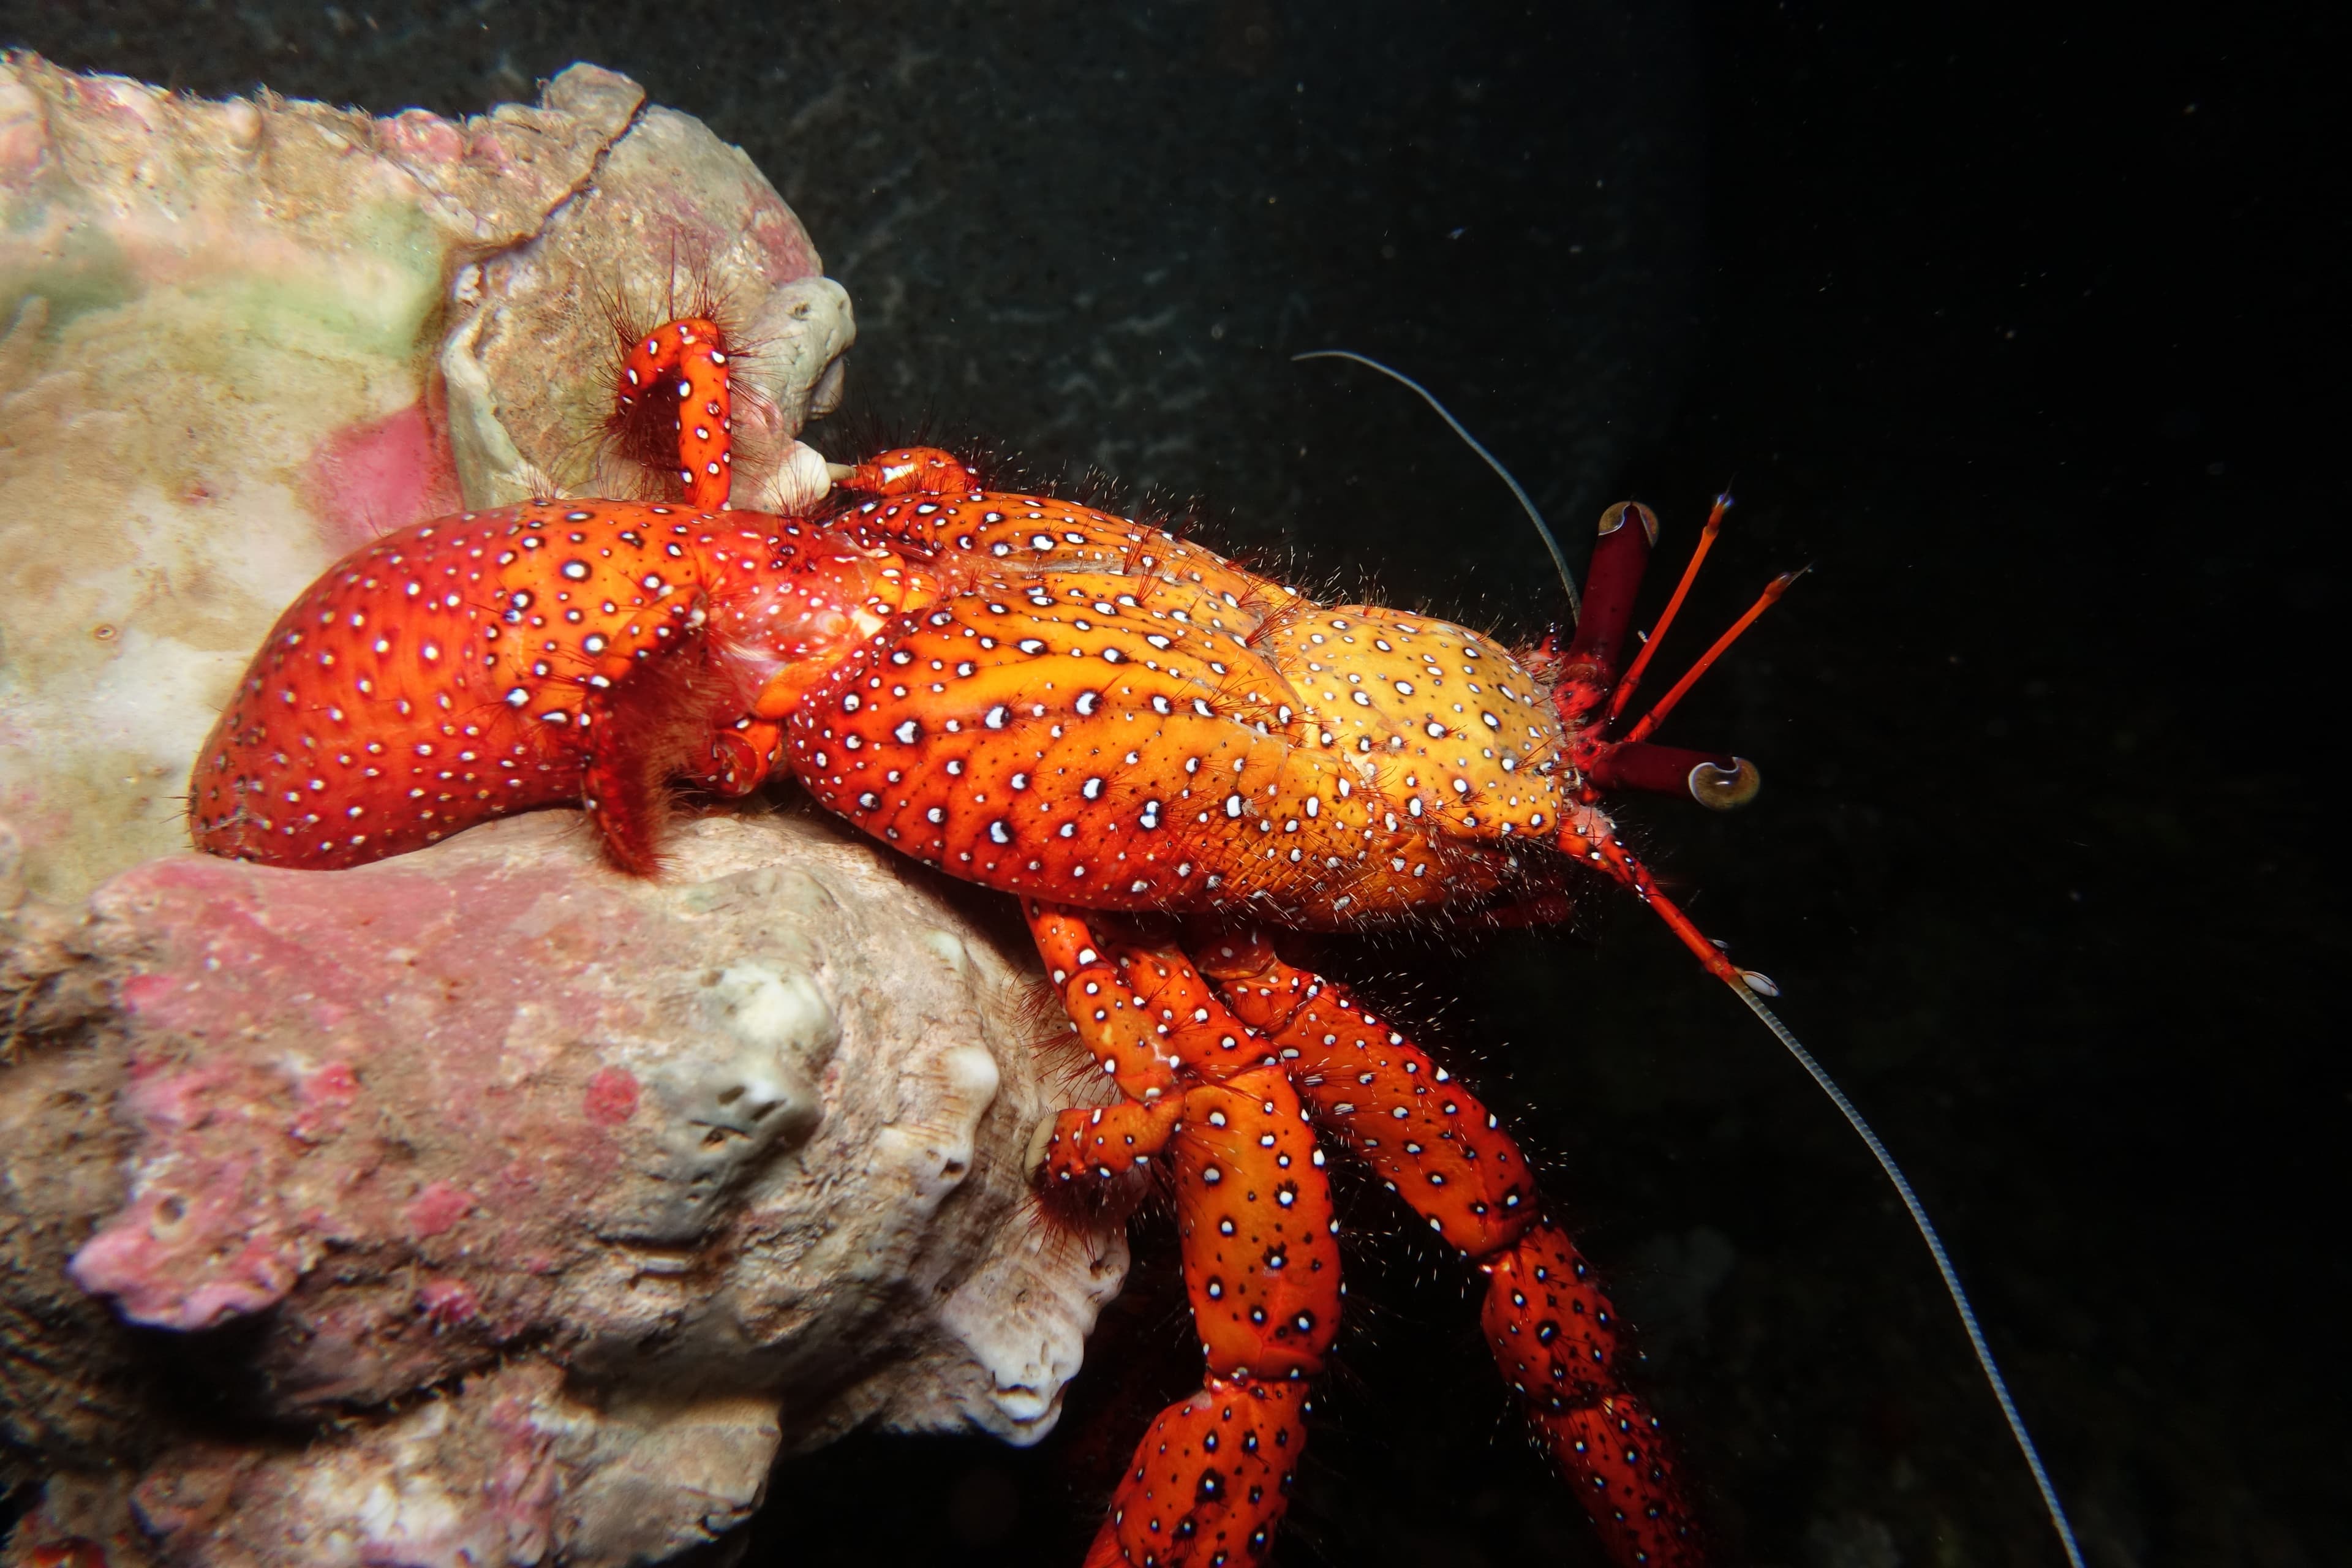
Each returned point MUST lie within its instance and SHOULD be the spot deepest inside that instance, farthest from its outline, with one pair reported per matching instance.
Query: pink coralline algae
(612, 1096)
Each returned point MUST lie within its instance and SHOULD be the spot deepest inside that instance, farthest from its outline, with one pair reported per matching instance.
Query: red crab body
(1071, 705)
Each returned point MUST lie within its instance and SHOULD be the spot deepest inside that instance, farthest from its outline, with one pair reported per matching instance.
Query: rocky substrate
(486, 1205)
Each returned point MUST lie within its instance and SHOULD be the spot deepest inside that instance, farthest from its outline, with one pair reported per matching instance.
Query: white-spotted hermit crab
(1168, 758)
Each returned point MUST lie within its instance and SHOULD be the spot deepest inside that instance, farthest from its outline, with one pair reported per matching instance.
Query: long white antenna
(1943, 1264)
(1566, 578)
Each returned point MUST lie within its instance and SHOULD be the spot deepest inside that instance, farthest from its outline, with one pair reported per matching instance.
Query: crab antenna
(1747, 992)
(1633, 676)
(1752, 989)
(1657, 716)
(1566, 578)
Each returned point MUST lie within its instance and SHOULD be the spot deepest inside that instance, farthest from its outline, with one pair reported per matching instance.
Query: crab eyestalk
(1594, 683)
(1714, 781)
(1589, 671)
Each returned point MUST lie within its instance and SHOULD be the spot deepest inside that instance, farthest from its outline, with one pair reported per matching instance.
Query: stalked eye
(1722, 788)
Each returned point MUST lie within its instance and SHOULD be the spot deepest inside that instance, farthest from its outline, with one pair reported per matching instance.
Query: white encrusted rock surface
(554, 1204)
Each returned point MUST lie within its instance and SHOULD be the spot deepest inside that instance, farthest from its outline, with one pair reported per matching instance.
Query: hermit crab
(1169, 759)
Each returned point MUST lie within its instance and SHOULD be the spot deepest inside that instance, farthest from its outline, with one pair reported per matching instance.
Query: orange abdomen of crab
(1093, 712)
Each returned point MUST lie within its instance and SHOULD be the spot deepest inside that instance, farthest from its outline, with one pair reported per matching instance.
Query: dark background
(2023, 330)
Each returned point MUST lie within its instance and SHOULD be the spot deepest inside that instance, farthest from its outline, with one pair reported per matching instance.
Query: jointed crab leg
(675, 407)
(1553, 1333)
(1223, 1083)
(1211, 1477)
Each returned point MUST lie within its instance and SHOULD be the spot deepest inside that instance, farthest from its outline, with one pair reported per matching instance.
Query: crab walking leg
(1553, 1333)
(677, 375)
(1143, 1009)
(1212, 1478)
(1092, 1148)
(1210, 1481)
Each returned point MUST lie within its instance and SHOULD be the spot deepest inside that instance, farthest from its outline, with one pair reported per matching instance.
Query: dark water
(2025, 333)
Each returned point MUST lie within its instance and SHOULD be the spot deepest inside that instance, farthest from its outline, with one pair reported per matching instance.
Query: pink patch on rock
(612, 1096)
(437, 1207)
(420, 135)
(447, 1303)
(143, 993)
(489, 151)
(367, 478)
(205, 1237)
(325, 1095)
(194, 1257)
(334, 1084)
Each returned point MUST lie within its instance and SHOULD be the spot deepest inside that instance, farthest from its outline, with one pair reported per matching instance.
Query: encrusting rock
(554, 1204)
